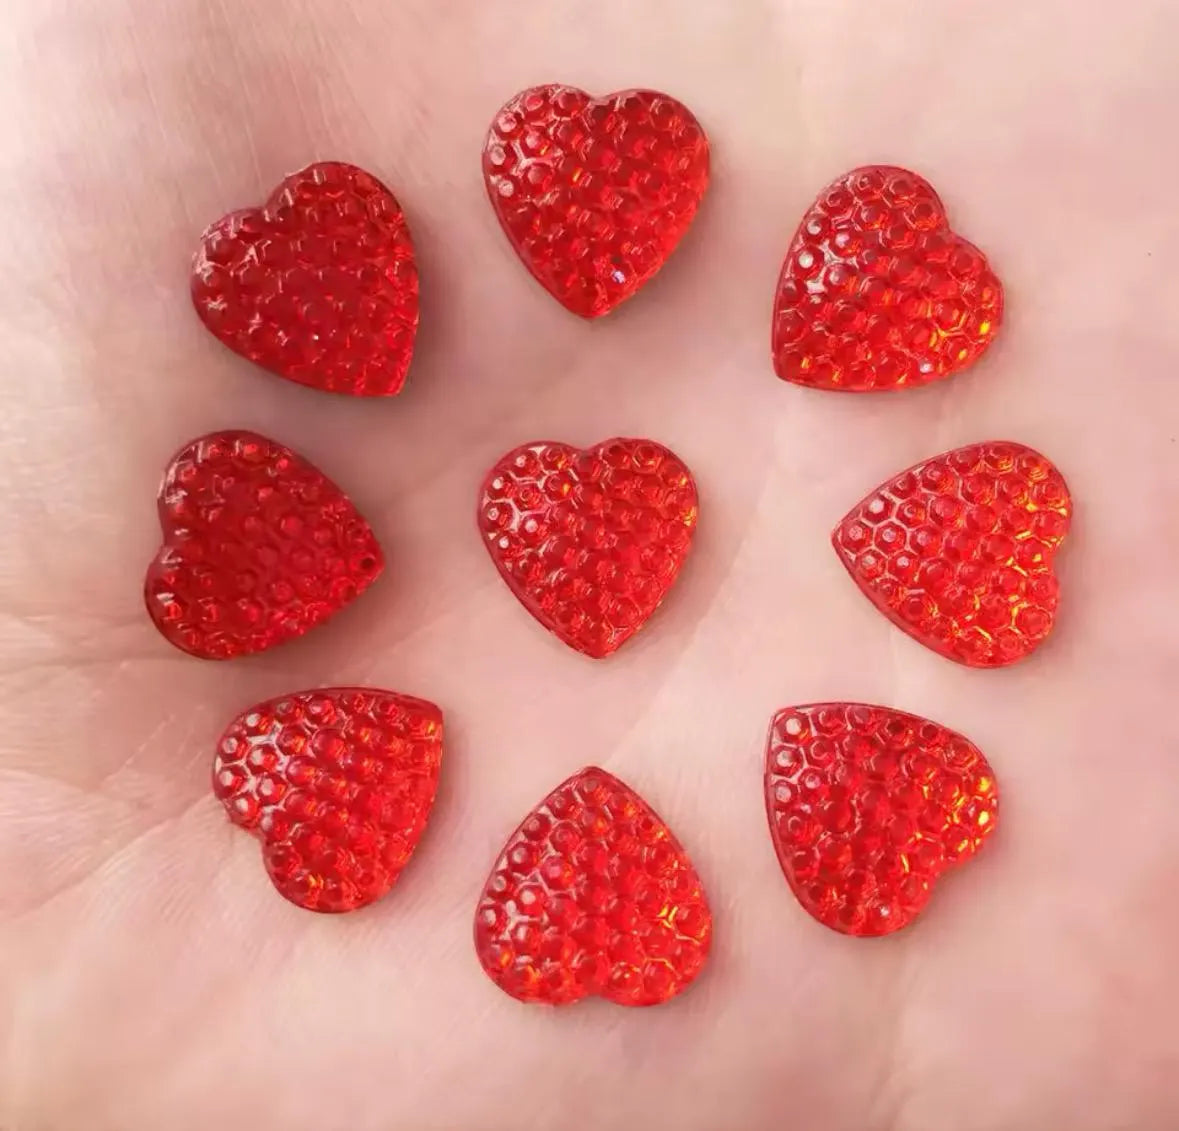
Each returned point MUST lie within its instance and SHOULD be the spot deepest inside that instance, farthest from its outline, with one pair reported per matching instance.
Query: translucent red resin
(318, 285)
(877, 292)
(958, 551)
(337, 784)
(590, 541)
(869, 807)
(594, 193)
(259, 546)
(593, 895)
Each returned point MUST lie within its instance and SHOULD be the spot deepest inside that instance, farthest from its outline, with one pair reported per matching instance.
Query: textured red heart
(958, 551)
(592, 894)
(259, 546)
(590, 540)
(869, 807)
(877, 292)
(594, 193)
(338, 785)
(318, 285)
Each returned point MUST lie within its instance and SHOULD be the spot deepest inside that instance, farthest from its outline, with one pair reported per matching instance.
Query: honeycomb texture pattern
(958, 551)
(868, 807)
(259, 546)
(319, 285)
(593, 896)
(591, 540)
(337, 784)
(877, 292)
(594, 194)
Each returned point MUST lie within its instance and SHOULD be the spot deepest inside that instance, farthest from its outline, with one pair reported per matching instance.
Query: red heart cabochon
(868, 807)
(594, 193)
(877, 292)
(590, 541)
(592, 894)
(318, 285)
(337, 783)
(958, 551)
(259, 546)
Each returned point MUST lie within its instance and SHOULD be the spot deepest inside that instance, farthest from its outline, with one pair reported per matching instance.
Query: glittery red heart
(259, 546)
(338, 785)
(590, 540)
(877, 292)
(318, 285)
(594, 193)
(869, 807)
(958, 551)
(592, 894)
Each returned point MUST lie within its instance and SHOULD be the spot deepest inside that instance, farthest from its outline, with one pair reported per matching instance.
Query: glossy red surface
(593, 895)
(594, 193)
(337, 784)
(877, 292)
(590, 541)
(959, 551)
(258, 547)
(869, 807)
(318, 285)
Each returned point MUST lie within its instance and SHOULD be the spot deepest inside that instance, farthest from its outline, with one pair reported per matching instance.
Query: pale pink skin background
(149, 975)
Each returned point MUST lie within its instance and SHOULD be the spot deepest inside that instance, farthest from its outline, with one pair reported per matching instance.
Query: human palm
(151, 975)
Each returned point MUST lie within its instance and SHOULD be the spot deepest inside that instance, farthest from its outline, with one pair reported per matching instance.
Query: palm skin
(152, 977)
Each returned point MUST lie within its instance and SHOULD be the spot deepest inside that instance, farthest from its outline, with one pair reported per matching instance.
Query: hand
(152, 977)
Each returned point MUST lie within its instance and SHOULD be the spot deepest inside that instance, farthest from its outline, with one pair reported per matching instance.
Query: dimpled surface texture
(259, 546)
(958, 551)
(591, 540)
(318, 285)
(868, 807)
(593, 895)
(877, 292)
(337, 784)
(594, 194)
